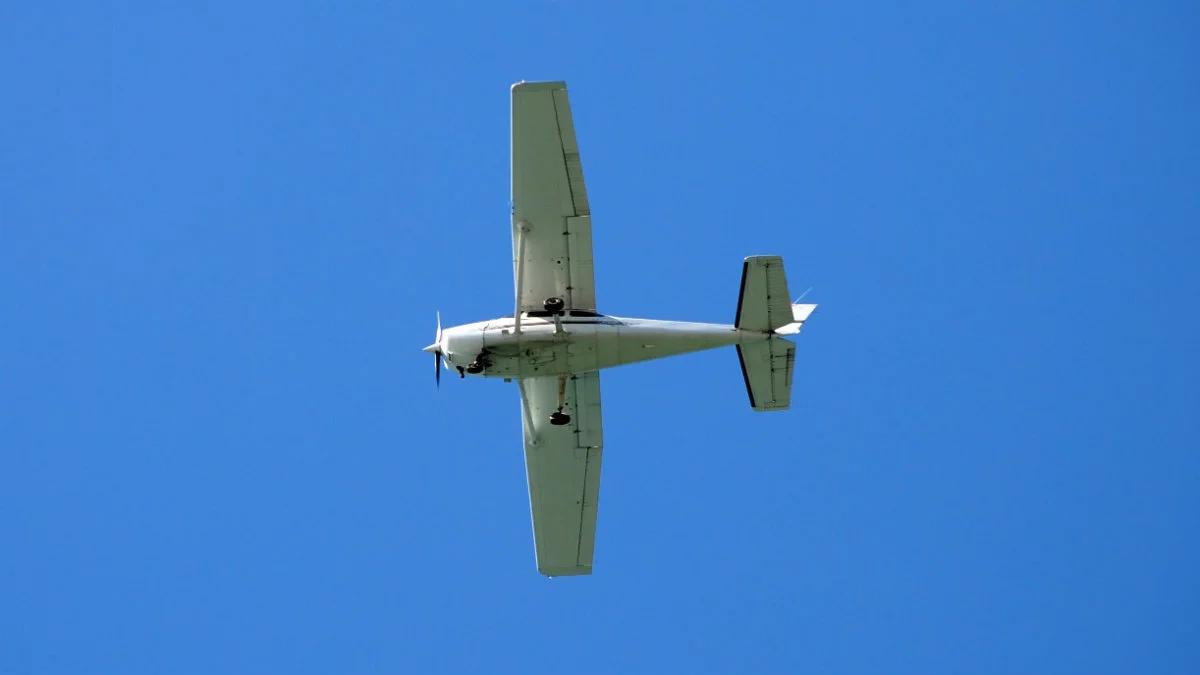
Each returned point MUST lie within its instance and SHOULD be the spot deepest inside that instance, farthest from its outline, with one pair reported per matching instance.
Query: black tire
(554, 304)
(559, 419)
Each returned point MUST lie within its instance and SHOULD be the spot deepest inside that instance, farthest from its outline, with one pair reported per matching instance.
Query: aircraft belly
(586, 347)
(581, 352)
(539, 350)
(608, 346)
(644, 342)
(543, 359)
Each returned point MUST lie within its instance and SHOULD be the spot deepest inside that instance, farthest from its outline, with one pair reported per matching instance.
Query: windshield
(543, 314)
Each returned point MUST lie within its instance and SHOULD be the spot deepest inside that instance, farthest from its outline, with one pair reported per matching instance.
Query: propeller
(436, 350)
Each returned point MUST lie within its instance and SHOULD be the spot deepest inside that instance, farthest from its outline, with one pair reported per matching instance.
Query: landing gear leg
(558, 418)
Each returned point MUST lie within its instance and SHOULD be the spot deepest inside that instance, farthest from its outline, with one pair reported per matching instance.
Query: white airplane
(555, 343)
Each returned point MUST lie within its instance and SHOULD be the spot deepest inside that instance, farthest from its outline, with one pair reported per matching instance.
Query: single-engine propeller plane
(556, 342)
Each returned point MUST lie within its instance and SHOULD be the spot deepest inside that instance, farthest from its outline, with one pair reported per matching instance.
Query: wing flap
(579, 259)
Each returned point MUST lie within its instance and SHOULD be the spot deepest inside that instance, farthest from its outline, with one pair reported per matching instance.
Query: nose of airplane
(433, 348)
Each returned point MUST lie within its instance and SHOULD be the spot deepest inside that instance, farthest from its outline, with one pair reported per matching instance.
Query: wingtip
(525, 85)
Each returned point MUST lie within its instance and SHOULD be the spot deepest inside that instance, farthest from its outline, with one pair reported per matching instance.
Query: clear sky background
(225, 230)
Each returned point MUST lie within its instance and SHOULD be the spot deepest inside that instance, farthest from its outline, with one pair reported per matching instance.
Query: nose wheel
(559, 418)
(479, 364)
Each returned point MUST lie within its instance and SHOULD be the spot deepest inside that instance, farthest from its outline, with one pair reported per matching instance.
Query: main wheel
(558, 419)
(554, 304)
(474, 368)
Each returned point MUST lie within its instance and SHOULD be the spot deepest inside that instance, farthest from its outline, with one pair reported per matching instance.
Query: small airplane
(556, 342)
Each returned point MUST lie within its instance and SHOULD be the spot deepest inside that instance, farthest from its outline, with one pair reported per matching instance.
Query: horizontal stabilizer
(763, 303)
(767, 368)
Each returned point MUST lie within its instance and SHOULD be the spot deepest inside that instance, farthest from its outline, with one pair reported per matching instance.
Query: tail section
(800, 314)
(763, 303)
(764, 306)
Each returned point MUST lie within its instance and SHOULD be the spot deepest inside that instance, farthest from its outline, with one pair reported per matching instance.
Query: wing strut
(522, 231)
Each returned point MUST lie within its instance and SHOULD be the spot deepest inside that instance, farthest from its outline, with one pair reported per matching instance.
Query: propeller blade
(436, 348)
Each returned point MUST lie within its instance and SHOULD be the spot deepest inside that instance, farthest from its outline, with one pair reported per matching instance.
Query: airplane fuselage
(576, 342)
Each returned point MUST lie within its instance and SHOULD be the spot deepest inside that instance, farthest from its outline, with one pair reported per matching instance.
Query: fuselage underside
(567, 343)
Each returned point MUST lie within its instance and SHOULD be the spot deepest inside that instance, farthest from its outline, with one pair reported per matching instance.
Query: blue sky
(225, 230)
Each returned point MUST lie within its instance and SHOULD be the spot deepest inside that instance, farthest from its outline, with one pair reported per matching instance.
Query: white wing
(549, 200)
(563, 467)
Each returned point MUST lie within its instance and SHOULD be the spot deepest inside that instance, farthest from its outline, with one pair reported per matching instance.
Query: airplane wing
(563, 468)
(549, 201)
